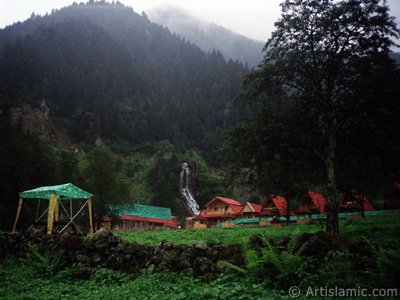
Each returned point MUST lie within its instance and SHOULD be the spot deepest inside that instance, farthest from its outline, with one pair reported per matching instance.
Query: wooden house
(392, 201)
(354, 201)
(141, 217)
(251, 210)
(221, 209)
(274, 206)
(199, 221)
(313, 203)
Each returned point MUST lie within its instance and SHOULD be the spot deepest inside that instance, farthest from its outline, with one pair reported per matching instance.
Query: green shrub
(338, 269)
(43, 263)
(388, 262)
(108, 277)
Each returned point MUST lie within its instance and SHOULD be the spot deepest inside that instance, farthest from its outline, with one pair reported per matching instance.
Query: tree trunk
(287, 211)
(362, 205)
(332, 213)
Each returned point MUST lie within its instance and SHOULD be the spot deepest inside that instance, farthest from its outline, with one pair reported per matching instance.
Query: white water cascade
(190, 203)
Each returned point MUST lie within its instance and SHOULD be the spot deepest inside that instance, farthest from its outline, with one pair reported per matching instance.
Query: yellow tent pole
(90, 215)
(57, 211)
(50, 215)
(17, 216)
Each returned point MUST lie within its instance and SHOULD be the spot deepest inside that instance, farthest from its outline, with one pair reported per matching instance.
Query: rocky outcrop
(33, 118)
(109, 251)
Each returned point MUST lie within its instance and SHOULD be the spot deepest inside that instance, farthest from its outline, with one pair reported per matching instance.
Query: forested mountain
(209, 36)
(98, 95)
(108, 72)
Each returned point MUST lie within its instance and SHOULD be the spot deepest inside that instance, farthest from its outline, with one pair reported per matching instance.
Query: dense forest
(99, 73)
(209, 36)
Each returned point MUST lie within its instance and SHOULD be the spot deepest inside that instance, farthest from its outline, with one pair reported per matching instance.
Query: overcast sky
(252, 18)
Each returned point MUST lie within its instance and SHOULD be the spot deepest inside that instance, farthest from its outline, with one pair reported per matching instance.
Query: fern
(43, 263)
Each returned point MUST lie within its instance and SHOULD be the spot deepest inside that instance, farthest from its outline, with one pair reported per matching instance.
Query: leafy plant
(107, 277)
(43, 263)
(388, 262)
(277, 268)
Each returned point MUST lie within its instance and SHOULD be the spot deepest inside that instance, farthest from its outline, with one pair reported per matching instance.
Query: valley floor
(19, 279)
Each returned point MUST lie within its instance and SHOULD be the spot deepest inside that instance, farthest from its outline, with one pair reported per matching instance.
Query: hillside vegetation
(97, 95)
(365, 256)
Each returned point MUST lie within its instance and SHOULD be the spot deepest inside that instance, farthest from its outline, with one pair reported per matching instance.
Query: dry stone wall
(109, 251)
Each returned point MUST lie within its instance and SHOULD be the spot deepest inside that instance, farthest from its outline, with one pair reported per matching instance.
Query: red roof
(200, 216)
(357, 196)
(235, 205)
(152, 220)
(237, 208)
(318, 200)
(281, 204)
(226, 200)
(254, 207)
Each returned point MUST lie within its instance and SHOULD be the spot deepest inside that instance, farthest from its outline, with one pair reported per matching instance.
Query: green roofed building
(139, 216)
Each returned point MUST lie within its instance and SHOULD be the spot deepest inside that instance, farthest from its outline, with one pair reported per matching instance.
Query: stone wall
(109, 251)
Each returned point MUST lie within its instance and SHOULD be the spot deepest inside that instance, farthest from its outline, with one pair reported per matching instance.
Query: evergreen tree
(316, 62)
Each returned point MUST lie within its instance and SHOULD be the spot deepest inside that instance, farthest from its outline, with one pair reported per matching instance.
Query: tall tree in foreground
(316, 60)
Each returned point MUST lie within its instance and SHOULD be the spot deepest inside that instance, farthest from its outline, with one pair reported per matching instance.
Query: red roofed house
(199, 221)
(353, 201)
(221, 209)
(251, 210)
(392, 201)
(274, 206)
(313, 203)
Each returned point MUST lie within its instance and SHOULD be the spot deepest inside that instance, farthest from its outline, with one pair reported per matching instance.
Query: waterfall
(188, 200)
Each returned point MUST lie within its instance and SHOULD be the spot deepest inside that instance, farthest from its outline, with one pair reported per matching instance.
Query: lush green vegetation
(365, 255)
(380, 229)
(149, 175)
(21, 282)
(211, 236)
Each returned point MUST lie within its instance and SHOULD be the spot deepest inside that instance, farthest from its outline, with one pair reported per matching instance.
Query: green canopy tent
(58, 195)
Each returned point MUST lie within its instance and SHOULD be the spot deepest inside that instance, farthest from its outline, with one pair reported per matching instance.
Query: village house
(313, 203)
(139, 217)
(354, 201)
(251, 210)
(392, 201)
(274, 206)
(218, 210)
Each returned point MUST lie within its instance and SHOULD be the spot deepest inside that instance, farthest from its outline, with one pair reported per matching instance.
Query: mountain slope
(108, 72)
(209, 36)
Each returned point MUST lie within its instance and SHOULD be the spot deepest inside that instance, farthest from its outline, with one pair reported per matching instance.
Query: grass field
(211, 236)
(20, 280)
(382, 229)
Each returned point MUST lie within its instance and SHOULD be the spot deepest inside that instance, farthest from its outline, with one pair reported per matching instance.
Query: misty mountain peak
(207, 35)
